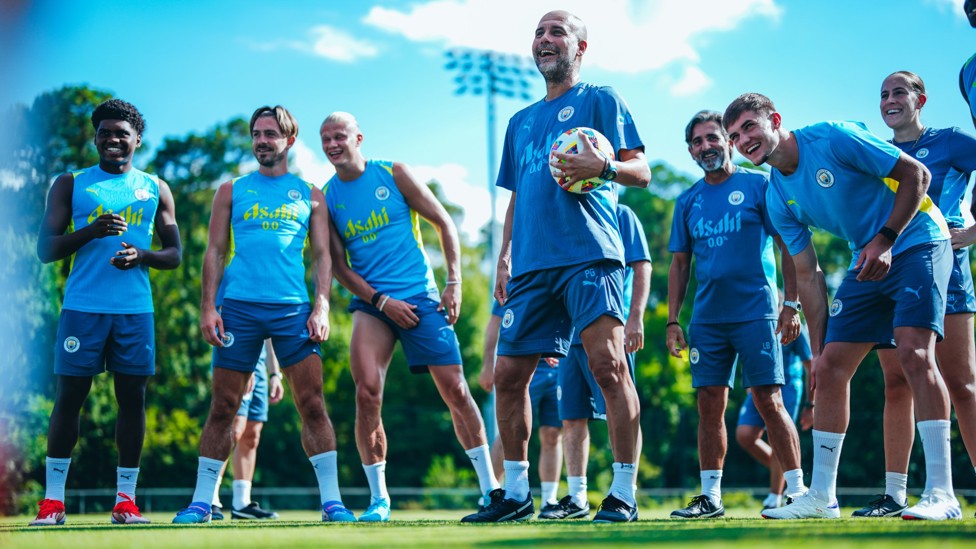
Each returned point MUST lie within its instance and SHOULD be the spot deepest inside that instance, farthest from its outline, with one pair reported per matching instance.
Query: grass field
(441, 528)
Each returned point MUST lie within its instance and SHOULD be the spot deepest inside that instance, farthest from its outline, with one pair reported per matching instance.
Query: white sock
(376, 477)
(327, 473)
(826, 460)
(773, 500)
(711, 482)
(242, 494)
(622, 486)
(125, 482)
(57, 475)
(577, 489)
(549, 492)
(216, 498)
(480, 457)
(516, 480)
(794, 482)
(935, 445)
(207, 472)
(896, 486)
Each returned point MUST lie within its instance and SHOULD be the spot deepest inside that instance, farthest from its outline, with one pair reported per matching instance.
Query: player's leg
(550, 462)
(749, 435)
(783, 438)
(834, 370)
(237, 431)
(514, 412)
(370, 352)
(545, 414)
(899, 436)
(130, 433)
(252, 419)
(957, 362)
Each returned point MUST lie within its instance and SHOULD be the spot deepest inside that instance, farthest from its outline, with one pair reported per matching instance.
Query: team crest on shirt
(382, 192)
(922, 153)
(508, 319)
(824, 178)
(736, 198)
(71, 344)
(228, 339)
(294, 194)
(142, 195)
(836, 307)
(693, 355)
(565, 114)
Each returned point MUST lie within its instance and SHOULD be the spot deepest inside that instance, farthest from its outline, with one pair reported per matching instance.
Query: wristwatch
(795, 305)
(610, 173)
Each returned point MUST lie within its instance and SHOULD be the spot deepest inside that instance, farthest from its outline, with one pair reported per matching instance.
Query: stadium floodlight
(491, 73)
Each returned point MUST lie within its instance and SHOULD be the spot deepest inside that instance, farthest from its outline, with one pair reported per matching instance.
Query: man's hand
(633, 334)
(450, 302)
(402, 313)
(587, 163)
(874, 259)
(318, 325)
(276, 389)
(806, 418)
(788, 325)
(963, 237)
(676, 340)
(128, 257)
(212, 327)
(487, 379)
(502, 275)
(108, 225)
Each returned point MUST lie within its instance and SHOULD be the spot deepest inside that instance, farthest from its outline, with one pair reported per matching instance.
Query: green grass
(441, 528)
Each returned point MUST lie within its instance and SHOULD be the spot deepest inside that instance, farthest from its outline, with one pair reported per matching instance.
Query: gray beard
(712, 165)
(557, 72)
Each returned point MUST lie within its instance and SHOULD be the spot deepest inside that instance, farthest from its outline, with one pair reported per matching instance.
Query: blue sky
(191, 64)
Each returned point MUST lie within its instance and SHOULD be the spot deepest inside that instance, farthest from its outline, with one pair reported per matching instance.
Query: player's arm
(171, 248)
(632, 168)
(788, 324)
(913, 180)
(812, 290)
(487, 377)
(420, 199)
(640, 290)
(398, 311)
(678, 276)
(962, 153)
(214, 260)
(52, 242)
(276, 389)
(588, 162)
(318, 230)
(503, 271)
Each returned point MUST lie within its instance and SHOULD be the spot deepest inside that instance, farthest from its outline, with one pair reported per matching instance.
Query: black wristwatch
(888, 233)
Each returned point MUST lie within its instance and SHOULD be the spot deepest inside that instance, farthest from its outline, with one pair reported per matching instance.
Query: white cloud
(473, 198)
(325, 41)
(954, 6)
(11, 180)
(309, 165)
(692, 80)
(629, 36)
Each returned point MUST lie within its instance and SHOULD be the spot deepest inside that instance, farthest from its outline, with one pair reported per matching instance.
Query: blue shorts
(247, 325)
(88, 344)
(580, 397)
(913, 294)
(254, 405)
(749, 415)
(431, 343)
(544, 394)
(713, 349)
(960, 297)
(543, 306)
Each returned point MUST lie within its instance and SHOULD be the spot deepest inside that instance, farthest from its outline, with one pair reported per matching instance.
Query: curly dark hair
(117, 109)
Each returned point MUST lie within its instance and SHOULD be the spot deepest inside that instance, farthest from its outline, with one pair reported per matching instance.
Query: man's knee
(549, 436)
(747, 435)
(250, 436)
(369, 396)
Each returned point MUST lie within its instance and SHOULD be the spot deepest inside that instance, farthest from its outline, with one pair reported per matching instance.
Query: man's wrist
(889, 233)
(274, 375)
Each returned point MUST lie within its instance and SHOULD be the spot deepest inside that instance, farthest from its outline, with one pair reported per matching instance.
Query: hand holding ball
(569, 142)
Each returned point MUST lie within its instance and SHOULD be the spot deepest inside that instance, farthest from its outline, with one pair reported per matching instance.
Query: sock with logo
(480, 457)
(935, 445)
(826, 460)
(327, 474)
(376, 477)
(208, 470)
(516, 480)
(896, 486)
(125, 479)
(242, 493)
(622, 486)
(56, 476)
(577, 489)
(711, 482)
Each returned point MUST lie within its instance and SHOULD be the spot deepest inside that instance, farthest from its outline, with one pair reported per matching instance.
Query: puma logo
(596, 284)
(828, 448)
(126, 477)
(59, 470)
(915, 292)
(214, 471)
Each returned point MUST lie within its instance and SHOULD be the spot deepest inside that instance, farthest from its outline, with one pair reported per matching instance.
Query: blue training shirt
(841, 185)
(727, 229)
(553, 227)
(381, 232)
(635, 249)
(268, 234)
(950, 156)
(95, 285)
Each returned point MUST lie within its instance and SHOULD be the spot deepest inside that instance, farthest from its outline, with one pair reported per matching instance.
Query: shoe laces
(878, 503)
(127, 505)
(192, 510)
(497, 498)
(699, 500)
(612, 503)
(49, 507)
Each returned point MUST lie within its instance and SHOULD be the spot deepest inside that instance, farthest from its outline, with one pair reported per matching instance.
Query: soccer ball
(568, 143)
